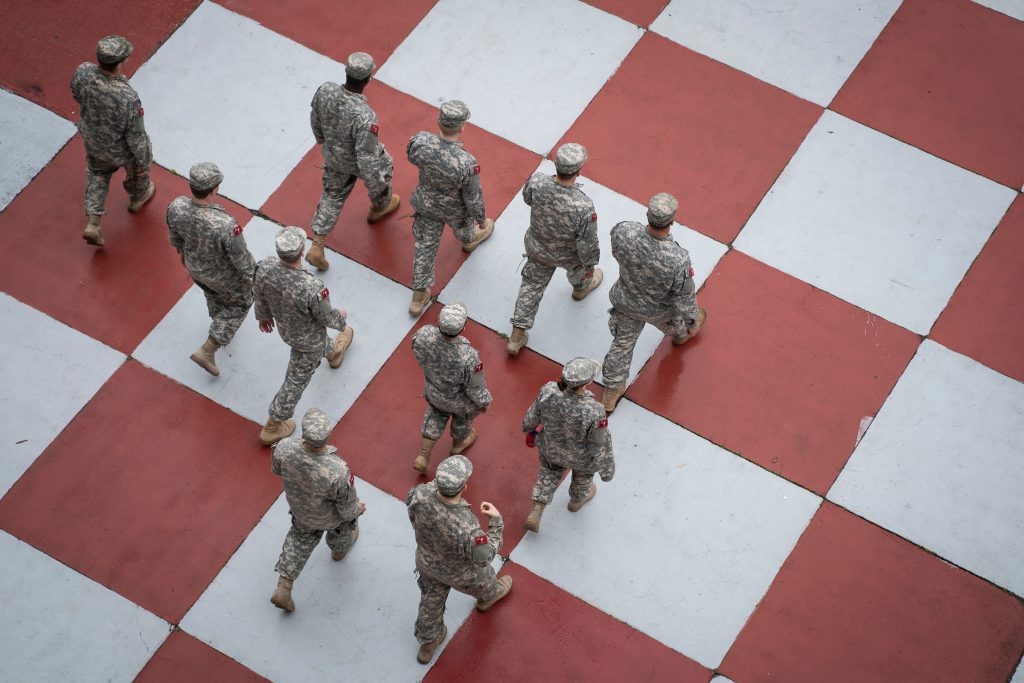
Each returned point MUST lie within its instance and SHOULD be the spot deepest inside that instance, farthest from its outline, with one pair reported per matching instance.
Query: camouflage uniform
(454, 382)
(452, 551)
(301, 306)
(574, 435)
(562, 234)
(213, 250)
(112, 128)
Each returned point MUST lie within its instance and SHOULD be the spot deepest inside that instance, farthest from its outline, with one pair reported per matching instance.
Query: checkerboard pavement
(825, 485)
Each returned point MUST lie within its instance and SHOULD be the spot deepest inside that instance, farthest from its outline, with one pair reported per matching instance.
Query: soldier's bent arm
(325, 313)
(137, 139)
(532, 417)
(76, 85)
(599, 447)
(347, 501)
(176, 241)
(368, 158)
(473, 195)
(528, 192)
(617, 239)
(413, 147)
(239, 253)
(587, 245)
(261, 307)
(684, 298)
(476, 387)
(314, 118)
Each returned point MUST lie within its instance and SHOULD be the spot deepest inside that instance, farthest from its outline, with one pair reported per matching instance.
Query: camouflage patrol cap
(316, 427)
(453, 114)
(570, 158)
(452, 474)
(290, 241)
(452, 319)
(204, 176)
(579, 371)
(360, 66)
(661, 209)
(113, 50)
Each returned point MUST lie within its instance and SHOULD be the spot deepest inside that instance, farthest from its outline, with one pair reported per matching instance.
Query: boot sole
(463, 448)
(281, 604)
(436, 644)
(496, 599)
(371, 219)
(687, 338)
(335, 363)
(470, 247)
(94, 240)
(135, 208)
(205, 365)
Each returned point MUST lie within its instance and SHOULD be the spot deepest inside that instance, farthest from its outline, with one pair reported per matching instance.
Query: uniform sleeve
(617, 240)
(532, 417)
(239, 253)
(172, 234)
(314, 118)
(473, 194)
(480, 547)
(528, 192)
(76, 85)
(413, 150)
(368, 158)
(275, 461)
(324, 312)
(476, 387)
(138, 139)
(684, 297)
(347, 500)
(587, 246)
(599, 447)
(260, 305)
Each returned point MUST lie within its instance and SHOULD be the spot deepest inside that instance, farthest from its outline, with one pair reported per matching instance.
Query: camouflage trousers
(625, 331)
(337, 188)
(227, 311)
(549, 476)
(301, 366)
(97, 182)
(536, 276)
(434, 595)
(426, 233)
(300, 543)
(435, 420)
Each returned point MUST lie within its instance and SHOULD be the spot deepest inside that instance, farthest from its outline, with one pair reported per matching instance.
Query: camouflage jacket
(347, 128)
(449, 187)
(111, 118)
(211, 244)
(320, 488)
(575, 432)
(297, 301)
(655, 278)
(450, 545)
(563, 223)
(452, 371)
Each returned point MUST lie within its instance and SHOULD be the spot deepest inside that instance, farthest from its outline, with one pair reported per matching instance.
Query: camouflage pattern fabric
(214, 252)
(448, 192)
(452, 551)
(454, 382)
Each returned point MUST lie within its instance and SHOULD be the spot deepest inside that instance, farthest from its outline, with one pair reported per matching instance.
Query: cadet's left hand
(267, 325)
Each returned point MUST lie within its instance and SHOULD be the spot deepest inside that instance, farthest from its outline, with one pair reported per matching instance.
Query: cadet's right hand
(343, 313)
(489, 509)
(267, 325)
(362, 507)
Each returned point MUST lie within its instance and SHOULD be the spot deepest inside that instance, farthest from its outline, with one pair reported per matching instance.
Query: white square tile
(942, 465)
(564, 328)
(808, 47)
(353, 620)
(527, 70)
(227, 90)
(1015, 9)
(875, 221)
(49, 372)
(29, 137)
(253, 365)
(681, 544)
(1018, 677)
(58, 625)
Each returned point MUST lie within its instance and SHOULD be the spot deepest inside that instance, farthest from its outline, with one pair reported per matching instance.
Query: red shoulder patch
(374, 128)
(479, 367)
(593, 217)
(324, 293)
(691, 272)
(480, 540)
(237, 231)
(142, 112)
(602, 423)
(476, 170)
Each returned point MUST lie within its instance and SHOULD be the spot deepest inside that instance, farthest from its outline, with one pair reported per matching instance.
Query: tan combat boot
(576, 505)
(423, 459)
(702, 317)
(595, 281)
(426, 652)
(316, 256)
(204, 357)
(136, 204)
(420, 300)
(341, 344)
(611, 396)
(338, 556)
(517, 341)
(282, 596)
(462, 444)
(92, 231)
(377, 215)
(505, 587)
(274, 431)
(533, 519)
(480, 236)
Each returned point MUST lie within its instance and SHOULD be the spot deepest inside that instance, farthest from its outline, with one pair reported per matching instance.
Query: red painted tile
(44, 42)
(944, 76)
(713, 136)
(184, 658)
(116, 294)
(387, 247)
(337, 29)
(782, 374)
(984, 319)
(639, 12)
(380, 434)
(856, 603)
(148, 491)
(544, 629)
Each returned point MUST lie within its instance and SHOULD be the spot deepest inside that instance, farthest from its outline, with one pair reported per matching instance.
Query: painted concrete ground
(824, 486)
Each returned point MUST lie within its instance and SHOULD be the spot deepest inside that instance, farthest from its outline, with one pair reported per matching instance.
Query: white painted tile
(227, 90)
(1018, 677)
(681, 544)
(253, 365)
(353, 619)
(1015, 9)
(564, 328)
(527, 70)
(720, 679)
(808, 47)
(49, 372)
(61, 626)
(941, 465)
(875, 221)
(30, 136)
